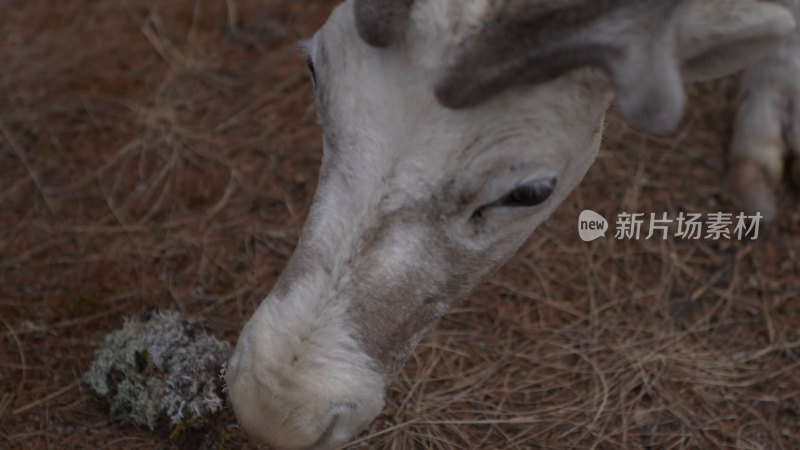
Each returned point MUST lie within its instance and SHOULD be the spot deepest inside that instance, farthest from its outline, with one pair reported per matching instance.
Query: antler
(382, 22)
(533, 42)
(648, 47)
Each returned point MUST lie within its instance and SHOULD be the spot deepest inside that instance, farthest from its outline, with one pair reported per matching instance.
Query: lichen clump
(163, 365)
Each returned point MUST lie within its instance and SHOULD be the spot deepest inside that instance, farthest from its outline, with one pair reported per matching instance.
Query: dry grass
(165, 153)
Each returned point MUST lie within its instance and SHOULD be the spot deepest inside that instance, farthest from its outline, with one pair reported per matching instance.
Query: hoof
(751, 189)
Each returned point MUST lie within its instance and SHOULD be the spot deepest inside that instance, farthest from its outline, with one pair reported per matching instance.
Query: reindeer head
(452, 129)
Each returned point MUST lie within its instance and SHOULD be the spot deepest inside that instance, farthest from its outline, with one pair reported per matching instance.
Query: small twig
(90, 115)
(510, 420)
(83, 320)
(380, 433)
(31, 173)
(167, 52)
(230, 188)
(233, 16)
(21, 355)
(47, 398)
(192, 35)
(679, 308)
(177, 301)
(121, 154)
(561, 306)
(5, 400)
(712, 280)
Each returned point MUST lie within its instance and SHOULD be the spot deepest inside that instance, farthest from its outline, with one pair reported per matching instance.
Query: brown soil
(166, 153)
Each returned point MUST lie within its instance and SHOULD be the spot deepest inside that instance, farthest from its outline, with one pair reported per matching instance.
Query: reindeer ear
(382, 22)
(717, 38)
(634, 41)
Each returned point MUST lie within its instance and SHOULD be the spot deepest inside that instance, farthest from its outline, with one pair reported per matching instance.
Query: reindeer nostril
(338, 413)
(328, 434)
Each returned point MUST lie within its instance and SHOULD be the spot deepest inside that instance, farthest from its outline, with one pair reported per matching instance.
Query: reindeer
(452, 129)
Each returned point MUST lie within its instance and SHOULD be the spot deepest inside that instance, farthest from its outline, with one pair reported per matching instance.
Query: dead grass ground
(165, 153)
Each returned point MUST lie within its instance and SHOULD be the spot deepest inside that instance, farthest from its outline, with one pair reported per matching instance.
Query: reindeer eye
(310, 65)
(531, 193)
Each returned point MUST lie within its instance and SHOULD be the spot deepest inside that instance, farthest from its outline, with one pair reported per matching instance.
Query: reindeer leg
(757, 149)
(766, 128)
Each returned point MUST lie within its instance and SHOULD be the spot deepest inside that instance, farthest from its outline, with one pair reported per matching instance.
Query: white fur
(297, 366)
(391, 241)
